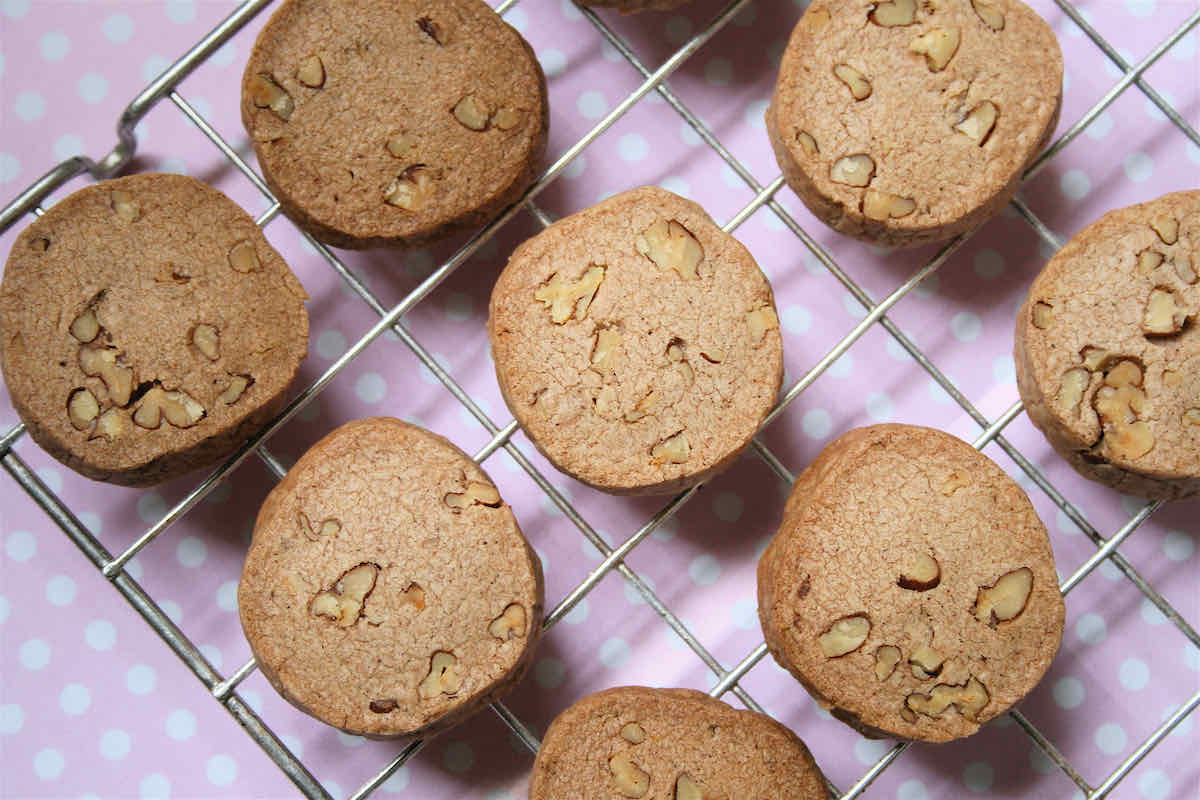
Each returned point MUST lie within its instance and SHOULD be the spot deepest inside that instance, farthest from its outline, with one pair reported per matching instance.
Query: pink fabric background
(92, 704)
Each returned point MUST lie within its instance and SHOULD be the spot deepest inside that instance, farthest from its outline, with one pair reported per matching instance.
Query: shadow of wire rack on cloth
(873, 316)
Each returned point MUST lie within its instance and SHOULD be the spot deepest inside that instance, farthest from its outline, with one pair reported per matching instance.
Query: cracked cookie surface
(388, 590)
(393, 122)
(674, 744)
(1108, 352)
(910, 121)
(636, 343)
(147, 328)
(911, 587)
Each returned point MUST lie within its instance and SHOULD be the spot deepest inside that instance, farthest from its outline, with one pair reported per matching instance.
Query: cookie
(907, 122)
(634, 6)
(911, 586)
(388, 590)
(636, 343)
(1108, 353)
(147, 328)
(675, 744)
(393, 122)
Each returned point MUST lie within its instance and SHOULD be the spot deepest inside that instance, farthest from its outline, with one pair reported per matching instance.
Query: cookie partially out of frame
(393, 122)
(147, 328)
(636, 343)
(911, 586)
(388, 590)
(674, 744)
(909, 121)
(1108, 352)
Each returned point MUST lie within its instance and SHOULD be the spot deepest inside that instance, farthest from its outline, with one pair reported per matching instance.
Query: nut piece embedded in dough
(343, 602)
(124, 205)
(956, 480)
(894, 14)
(510, 624)
(853, 170)
(644, 406)
(992, 16)
(1119, 403)
(506, 118)
(311, 72)
(238, 384)
(1004, 600)
(1042, 314)
(856, 82)
(443, 677)
(938, 46)
(1148, 260)
(207, 340)
(631, 780)
(886, 659)
(384, 705)
(672, 450)
(807, 143)
(606, 350)
(242, 257)
(977, 124)
(1192, 416)
(922, 574)
(401, 144)
(266, 93)
(969, 698)
(432, 30)
(1163, 315)
(671, 246)
(1093, 356)
(883, 206)
(411, 189)
(565, 298)
(686, 788)
(926, 662)
(85, 327)
(178, 407)
(472, 113)
(82, 408)
(759, 321)
(313, 531)
(110, 426)
(845, 635)
(1185, 268)
(1074, 383)
(633, 733)
(476, 493)
(101, 362)
(1167, 228)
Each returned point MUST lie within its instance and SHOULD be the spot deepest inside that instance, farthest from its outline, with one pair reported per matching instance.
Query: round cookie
(388, 590)
(634, 6)
(636, 343)
(911, 586)
(147, 328)
(907, 122)
(676, 744)
(1108, 353)
(393, 122)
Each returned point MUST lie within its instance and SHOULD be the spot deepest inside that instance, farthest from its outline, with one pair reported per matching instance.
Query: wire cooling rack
(224, 687)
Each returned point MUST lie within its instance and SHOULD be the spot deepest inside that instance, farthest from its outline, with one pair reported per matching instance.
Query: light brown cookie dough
(910, 121)
(393, 122)
(636, 343)
(388, 590)
(147, 328)
(673, 744)
(1108, 353)
(911, 586)
(634, 6)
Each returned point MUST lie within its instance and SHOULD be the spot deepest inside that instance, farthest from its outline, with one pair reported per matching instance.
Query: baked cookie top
(636, 343)
(907, 118)
(386, 122)
(144, 323)
(1107, 348)
(911, 587)
(388, 590)
(676, 744)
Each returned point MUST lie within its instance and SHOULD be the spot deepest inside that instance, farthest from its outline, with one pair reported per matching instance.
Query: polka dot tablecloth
(92, 704)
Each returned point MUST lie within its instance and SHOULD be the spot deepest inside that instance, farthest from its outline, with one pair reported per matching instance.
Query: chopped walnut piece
(759, 321)
(243, 257)
(472, 113)
(506, 118)
(1164, 314)
(1185, 268)
(605, 402)
(957, 479)
(991, 15)
(606, 350)
(443, 677)
(343, 602)
(807, 143)
(1093, 356)
(510, 624)
(110, 426)
(644, 406)
(633, 733)
(969, 698)
(883, 206)
(82, 409)
(853, 170)
(102, 363)
(856, 82)
(815, 19)
(207, 340)
(1148, 260)
(672, 450)
(384, 705)
(1192, 416)
(922, 573)
(886, 658)
(1070, 390)
(433, 30)
(977, 124)
(894, 14)
(476, 493)
(712, 354)
(1167, 228)
(1004, 600)
(630, 779)
(671, 246)
(178, 407)
(938, 46)
(328, 527)
(266, 93)
(1042, 314)
(565, 298)
(123, 203)
(85, 327)
(413, 595)
(686, 788)
(845, 635)
(411, 190)
(238, 384)
(311, 72)
(926, 662)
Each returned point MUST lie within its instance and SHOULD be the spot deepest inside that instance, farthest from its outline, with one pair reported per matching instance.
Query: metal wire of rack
(224, 688)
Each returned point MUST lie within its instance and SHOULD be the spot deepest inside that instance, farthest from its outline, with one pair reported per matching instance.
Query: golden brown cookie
(911, 586)
(147, 328)
(636, 343)
(393, 122)
(634, 6)
(1108, 353)
(388, 590)
(673, 744)
(909, 121)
